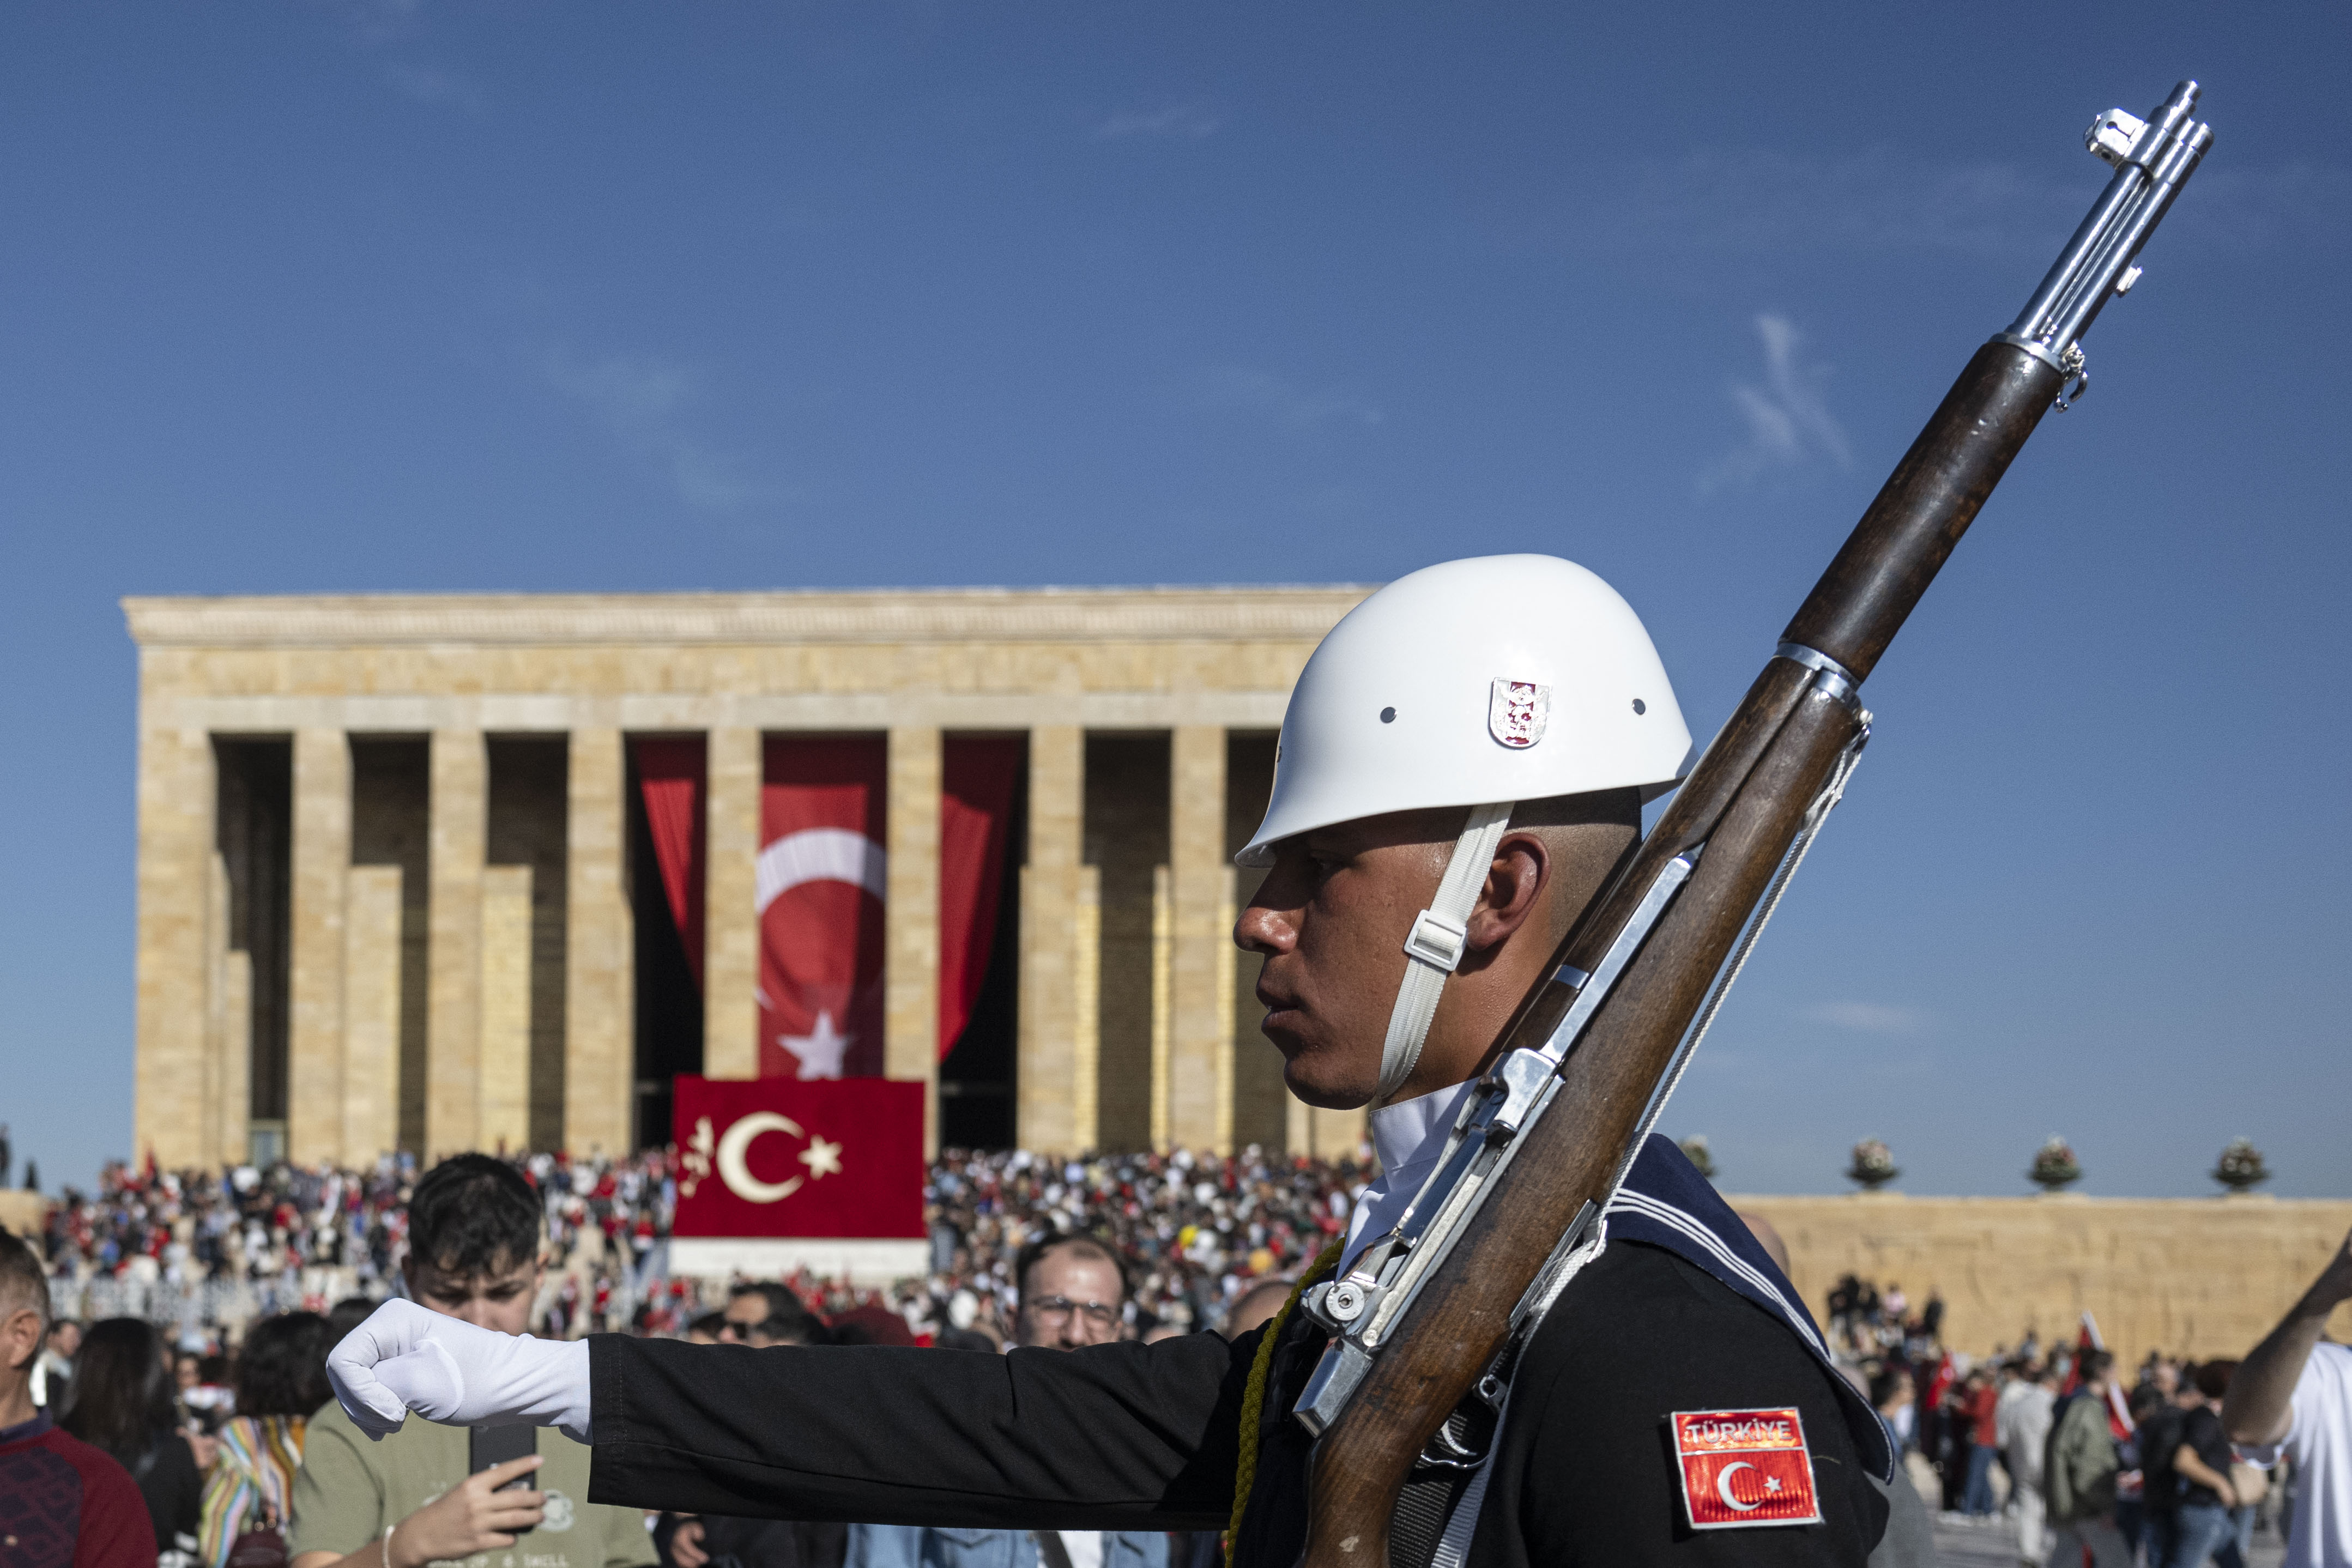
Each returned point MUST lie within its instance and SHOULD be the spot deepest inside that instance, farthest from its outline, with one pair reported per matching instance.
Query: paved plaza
(1992, 1544)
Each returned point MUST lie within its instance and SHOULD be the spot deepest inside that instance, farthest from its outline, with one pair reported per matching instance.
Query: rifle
(1426, 1314)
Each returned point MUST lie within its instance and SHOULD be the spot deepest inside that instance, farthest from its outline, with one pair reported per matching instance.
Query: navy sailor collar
(1666, 1203)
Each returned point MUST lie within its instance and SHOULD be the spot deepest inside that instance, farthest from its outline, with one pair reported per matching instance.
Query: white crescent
(1722, 1478)
(736, 1143)
(820, 855)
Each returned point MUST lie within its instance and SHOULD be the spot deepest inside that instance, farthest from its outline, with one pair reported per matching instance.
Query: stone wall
(2203, 1277)
(24, 1213)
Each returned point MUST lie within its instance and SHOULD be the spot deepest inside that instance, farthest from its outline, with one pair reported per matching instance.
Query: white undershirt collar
(1408, 1137)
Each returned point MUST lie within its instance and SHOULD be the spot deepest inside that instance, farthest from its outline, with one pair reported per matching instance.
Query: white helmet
(1475, 684)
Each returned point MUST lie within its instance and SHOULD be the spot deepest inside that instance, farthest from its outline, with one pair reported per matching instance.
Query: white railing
(201, 1304)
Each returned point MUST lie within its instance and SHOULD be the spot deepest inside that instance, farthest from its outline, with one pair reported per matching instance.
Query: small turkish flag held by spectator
(780, 1156)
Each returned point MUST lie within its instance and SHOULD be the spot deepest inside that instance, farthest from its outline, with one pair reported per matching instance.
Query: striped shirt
(252, 1487)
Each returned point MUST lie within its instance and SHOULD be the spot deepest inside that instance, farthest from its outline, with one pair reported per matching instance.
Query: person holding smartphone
(417, 1497)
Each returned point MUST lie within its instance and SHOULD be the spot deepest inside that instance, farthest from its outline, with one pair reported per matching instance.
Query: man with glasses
(1073, 1294)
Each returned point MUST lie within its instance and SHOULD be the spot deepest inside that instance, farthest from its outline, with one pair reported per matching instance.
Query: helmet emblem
(1517, 711)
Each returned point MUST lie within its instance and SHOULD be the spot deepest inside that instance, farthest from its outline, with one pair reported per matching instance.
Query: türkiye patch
(1745, 1468)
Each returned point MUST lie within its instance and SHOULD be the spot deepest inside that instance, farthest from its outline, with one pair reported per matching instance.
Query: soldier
(1463, 769)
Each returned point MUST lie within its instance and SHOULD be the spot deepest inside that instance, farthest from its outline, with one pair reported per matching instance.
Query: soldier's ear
(1514, 890)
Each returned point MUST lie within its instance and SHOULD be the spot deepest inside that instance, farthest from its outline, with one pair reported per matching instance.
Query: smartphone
(488, 1446)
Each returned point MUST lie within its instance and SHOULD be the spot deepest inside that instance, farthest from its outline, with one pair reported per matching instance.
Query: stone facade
(387, 893)
(2200, 1277)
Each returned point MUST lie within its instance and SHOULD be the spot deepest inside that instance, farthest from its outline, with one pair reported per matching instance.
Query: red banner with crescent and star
(775, 1156)
(821, 880)
(824, 873)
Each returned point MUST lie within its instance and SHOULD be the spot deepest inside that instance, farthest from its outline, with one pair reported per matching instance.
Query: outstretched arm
(2259, 1404)
(1111, 1436)
(1116, 1436)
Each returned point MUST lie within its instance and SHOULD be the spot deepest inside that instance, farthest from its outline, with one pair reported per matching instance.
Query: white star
(1771, 1483)
(820, 1051)
(822, 1158)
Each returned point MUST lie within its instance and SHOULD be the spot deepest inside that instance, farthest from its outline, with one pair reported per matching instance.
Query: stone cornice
(892, 615)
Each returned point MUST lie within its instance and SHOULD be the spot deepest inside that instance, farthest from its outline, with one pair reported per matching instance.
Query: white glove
(406, 1357)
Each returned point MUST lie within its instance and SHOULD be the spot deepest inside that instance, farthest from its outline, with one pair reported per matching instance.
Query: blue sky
(416, 296)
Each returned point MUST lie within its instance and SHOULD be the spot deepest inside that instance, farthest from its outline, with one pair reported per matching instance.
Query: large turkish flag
(777, 1156)
(822, 878)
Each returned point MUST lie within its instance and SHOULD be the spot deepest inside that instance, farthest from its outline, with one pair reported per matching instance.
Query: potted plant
(1872, 1166)
(2241, 1167)
(2054, 1165)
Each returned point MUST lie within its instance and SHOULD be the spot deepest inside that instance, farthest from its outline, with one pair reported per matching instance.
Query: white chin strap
(1433, 948)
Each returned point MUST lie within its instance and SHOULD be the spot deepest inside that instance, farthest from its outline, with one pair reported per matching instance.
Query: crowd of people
(208, 1415)
(2056, 1444)
(319, 1230)
(205, 1413)
(205, 1252)
(1197, 1230)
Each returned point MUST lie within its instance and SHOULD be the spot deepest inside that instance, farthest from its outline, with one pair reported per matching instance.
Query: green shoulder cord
(1253, 1398)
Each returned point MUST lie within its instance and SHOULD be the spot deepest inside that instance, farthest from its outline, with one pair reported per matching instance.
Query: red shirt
(1979, 1406)
(64, 1504)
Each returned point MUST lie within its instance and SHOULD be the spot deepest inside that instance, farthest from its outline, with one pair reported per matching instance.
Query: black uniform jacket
(1682, 1311)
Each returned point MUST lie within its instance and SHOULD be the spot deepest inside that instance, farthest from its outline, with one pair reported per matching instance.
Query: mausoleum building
(441, 872)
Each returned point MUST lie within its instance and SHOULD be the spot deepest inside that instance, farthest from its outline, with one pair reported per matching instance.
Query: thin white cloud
(1867, 1018)
(1183, 121)
(1260, 392)
(426, 84)
(1788, 419)
(643, 402)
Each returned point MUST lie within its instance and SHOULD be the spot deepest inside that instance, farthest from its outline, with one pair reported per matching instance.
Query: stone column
(234, 1141)
(730, 920)
(371, 1077)
(599, 953)
(1258, 1100)
(314, 1032)
(216, 1041)
(1086, 1006)
(1199, 1082)
(502, 1106)
(176, 782)
(1049, 1119)
(229, 1024)
(457, 830)
(1229, 1046)
(910, 948)
(1163, 1036)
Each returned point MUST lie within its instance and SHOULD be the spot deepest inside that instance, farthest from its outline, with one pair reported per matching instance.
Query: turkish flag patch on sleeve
(1742, 1468)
